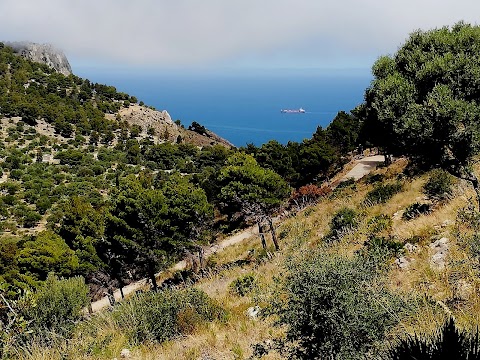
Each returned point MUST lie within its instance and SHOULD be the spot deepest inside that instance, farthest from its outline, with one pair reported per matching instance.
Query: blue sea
(245, 107)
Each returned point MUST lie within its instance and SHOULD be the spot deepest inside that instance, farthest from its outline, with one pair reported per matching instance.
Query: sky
(226, 34)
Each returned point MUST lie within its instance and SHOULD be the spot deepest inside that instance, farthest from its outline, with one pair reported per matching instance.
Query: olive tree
(424, 101)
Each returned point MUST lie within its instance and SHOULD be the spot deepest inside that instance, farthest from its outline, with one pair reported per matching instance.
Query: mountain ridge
(43, 53)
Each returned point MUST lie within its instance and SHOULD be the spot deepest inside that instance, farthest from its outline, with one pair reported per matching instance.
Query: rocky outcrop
(147, 118)
(43, 53)
(164, 128)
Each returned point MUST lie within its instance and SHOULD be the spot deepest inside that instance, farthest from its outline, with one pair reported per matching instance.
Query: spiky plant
(447, 343)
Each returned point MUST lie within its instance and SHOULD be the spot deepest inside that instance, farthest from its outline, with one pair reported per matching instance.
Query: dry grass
(433, 293)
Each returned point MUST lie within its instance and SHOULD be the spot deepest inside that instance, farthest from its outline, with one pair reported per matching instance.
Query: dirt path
(364, 166)
(129, 289)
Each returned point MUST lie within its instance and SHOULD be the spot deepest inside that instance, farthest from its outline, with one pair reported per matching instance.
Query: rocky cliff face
(43, 53)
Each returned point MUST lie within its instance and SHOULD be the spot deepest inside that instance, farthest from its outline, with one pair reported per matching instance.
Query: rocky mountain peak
(43, 53)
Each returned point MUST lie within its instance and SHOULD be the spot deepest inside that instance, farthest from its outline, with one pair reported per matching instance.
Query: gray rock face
(43, 53)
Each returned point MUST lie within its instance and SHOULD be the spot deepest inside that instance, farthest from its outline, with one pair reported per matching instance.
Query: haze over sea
(244, 107)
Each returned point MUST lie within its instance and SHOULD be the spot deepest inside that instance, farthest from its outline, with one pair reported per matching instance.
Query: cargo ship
(293, 111)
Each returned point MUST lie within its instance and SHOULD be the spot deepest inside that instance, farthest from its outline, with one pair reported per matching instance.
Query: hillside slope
(430, 263)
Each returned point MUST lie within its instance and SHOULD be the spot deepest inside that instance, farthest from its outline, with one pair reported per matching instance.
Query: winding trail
(362, 167)
(131, 288)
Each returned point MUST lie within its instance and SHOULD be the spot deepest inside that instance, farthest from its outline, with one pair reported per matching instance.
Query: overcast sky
(227, 33)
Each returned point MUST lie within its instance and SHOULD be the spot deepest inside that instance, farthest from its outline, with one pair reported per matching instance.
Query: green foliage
(439, 185)
(58, 305)
(148, 228)
(448, 342)
(161, 316)
(381, 193)
(472, 244)
(197, 128)
(347, 184)
(243, 285)
(379, 223)
(373, 178)
(343, 221)
(334, 307)
(14, 328)
(381, 247)
(250, 189)
(424, 100)
(312, 160)
(46, 253)
(416, 209)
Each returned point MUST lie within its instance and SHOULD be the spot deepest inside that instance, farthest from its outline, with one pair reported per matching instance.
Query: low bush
(439, 185)
(381, 193)
(379, 223)
(380, 246)
(469, 217)
(447, 343)
(347, 184)
(243, 285)
(58, 305)
(158, 317)
(307, 195)
(373, 178)
(334, 307)
(344, 221)
(416, 209)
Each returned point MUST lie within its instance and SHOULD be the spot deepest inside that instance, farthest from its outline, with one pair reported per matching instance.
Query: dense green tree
(82, 227)
(149, 228)
(424, 101)
(45, 253)
(248, 190)
(343, 132)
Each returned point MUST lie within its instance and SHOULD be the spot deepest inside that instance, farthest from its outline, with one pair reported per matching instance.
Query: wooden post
(274, 235)
(262, 235)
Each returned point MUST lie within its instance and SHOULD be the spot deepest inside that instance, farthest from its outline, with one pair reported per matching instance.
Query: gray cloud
(230, 32)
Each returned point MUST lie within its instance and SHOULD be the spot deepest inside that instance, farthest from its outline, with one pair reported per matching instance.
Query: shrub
(447, 343)
(334, 307)
(158, 317)
(307, 195)
(344, 221)
(472, 244)
(373, 178)
(59, 303)
(379, 223)
(381, 193)
(439, 185)
(379, 246)
(349, 183)
(416, 209)
(243, 285)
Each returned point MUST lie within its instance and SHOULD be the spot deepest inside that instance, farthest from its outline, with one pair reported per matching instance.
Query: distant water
(246, 108)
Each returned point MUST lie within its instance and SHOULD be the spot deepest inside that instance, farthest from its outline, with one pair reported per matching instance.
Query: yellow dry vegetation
(453, 290)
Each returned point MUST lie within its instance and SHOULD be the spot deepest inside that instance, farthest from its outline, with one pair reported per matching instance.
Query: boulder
(403, 262)
(440, 251)
(253, 312)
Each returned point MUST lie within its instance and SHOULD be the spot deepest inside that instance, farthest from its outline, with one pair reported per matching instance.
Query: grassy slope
(233, 339)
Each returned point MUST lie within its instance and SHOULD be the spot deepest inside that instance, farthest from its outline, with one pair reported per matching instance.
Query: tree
(82, 227)
(424, 101)
(343, 131)
(147, 228)
(200, 129)
(252, 191)
(47, 252)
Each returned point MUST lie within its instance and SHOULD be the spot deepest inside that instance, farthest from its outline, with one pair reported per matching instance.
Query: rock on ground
(440, 251)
